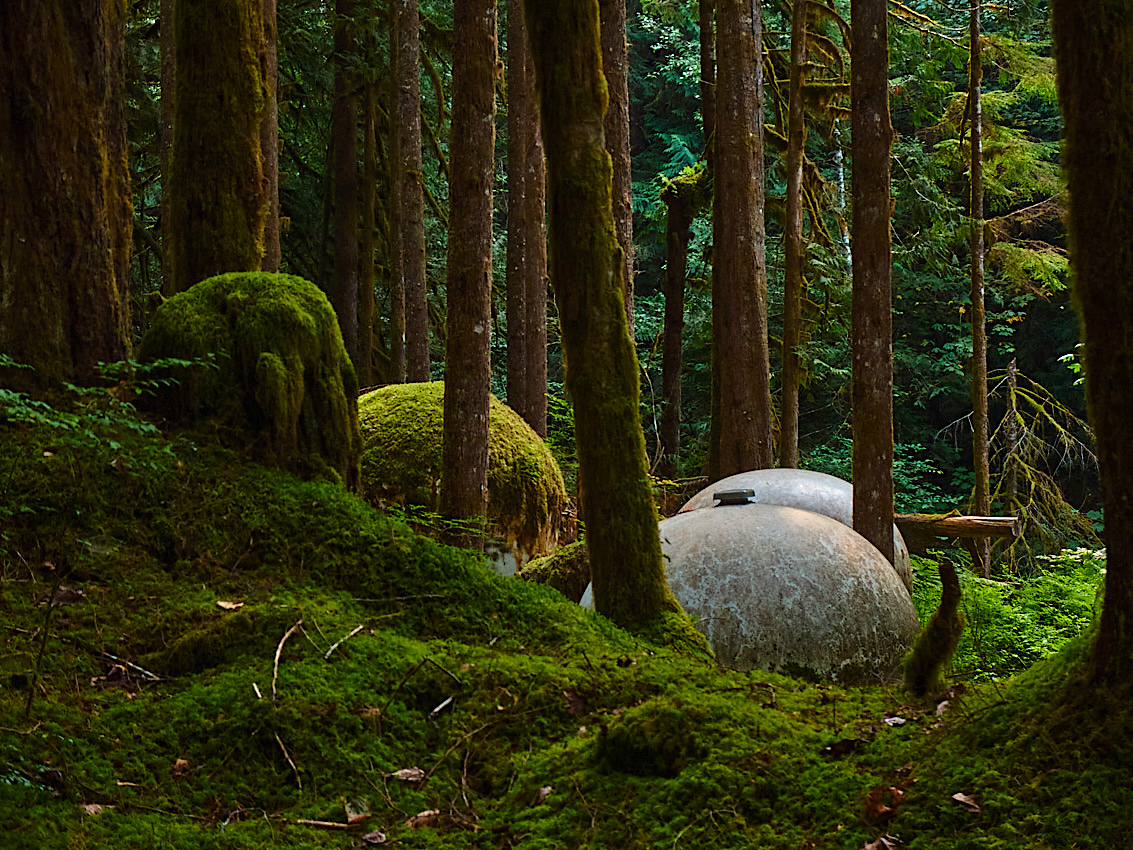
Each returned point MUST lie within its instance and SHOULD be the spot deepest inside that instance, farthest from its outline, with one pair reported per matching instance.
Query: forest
(345, 343)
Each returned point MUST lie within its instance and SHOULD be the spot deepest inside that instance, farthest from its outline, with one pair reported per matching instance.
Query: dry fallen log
(922, 531)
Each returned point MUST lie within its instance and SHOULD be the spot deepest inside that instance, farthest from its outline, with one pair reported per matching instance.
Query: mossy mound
(401, 462)
(567, 570)
(283, 374)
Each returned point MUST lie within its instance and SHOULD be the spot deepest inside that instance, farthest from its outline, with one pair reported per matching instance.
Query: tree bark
(464, 476)
(344, 130)
(981, 494)
(1094, 53)
(65, 210)
(369, 195)
(742, 407)
(707, 11)
(615, 65)
(218, 202)
(587, 269)
(269, 138)
(168, 48)
(871, 324)
(408, 191)
(793, 285)
(527, 234)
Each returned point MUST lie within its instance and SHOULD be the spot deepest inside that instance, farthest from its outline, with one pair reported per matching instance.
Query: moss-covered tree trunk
(1094, 54)
(527, 234)
(218, 196)
(464, 468)
(981, 465)
(793, 246)
(872, 322)
(65, 213)
(615, 66)
(587, 269)
(408, 193)
(741, 407)
(269, 138)
(344, 134)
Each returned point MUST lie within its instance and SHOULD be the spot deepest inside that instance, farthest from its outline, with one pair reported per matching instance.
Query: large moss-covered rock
(778, 588)
(401, 462)
(282, 379)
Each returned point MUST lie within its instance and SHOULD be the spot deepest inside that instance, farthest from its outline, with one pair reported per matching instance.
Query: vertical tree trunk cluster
(1094, 53)
(464, 483)
(65, 208)
(218, 195)
(741, 406)
(793, 286)
(527, 235)
(615, 65)
(587, 271)
(872, 321)
(981, 495)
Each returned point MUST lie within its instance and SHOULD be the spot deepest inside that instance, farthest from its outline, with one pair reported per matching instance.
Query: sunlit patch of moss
(401, 461)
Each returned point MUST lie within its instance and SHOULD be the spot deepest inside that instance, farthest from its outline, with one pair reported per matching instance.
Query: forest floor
(201, 652)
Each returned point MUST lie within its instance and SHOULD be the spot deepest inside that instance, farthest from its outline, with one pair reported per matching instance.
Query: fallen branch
(151, 676)
(336, 645)
(275, 667)
(287, 756)
(966, 527)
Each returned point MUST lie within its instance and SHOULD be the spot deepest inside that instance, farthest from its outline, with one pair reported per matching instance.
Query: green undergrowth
(241, 659)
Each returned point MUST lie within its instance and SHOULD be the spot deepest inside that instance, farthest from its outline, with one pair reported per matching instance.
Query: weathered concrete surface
(811, 491)
(779, 588)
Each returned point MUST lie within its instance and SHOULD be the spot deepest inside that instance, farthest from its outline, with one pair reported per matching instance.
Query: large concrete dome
(783, 589)
(811, 491)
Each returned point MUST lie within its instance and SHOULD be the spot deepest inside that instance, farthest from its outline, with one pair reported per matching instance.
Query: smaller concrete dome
(811, 491)
(782, 589)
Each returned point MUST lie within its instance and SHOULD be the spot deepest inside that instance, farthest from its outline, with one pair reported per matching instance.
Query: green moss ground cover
(467, 711)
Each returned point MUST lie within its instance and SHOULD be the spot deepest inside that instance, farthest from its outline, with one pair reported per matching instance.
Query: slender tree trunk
(369, 194)
(534, 219)
(398, 356)
(65, 212)
(707, 11)
(1094, 51)
(168, 47)
(615, 65)
(871, 326)
(218, 202)
(517, 141)
(981, 495)
(678, 220)
(1011, 464)
(464, 481)
(408, 191)
(269, 138)
(742, 409)
(793, 261)
(601, 364)
(344, 129)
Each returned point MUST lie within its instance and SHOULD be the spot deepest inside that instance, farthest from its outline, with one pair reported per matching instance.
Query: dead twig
(287, 756)
(153, 677)
(275, 667)
(336, 645)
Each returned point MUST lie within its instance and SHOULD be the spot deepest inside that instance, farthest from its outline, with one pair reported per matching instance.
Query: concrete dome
(811, 491)
(782, 589)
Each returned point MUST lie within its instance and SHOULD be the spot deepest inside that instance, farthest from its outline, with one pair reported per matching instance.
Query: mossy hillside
(562, 731)
(401, 460)
(283, 376)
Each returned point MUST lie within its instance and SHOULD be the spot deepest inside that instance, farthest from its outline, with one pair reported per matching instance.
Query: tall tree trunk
(587, 269)
(615, 65)
(793, 285)
(269, 138)
(168, 47)
(398, 356)
(464, 475)
(218, 202)
(872, 324)
(707, 11)
(65, 212)
(365, 364)
(1094, 51)
(344, 130)
(742, 407)
(408, 191)
(679, 203)
(527, 234)
(981, 495)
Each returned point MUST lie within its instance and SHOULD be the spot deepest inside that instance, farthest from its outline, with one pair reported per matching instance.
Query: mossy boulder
(401, 429)
(567, 570)
(282, 375)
